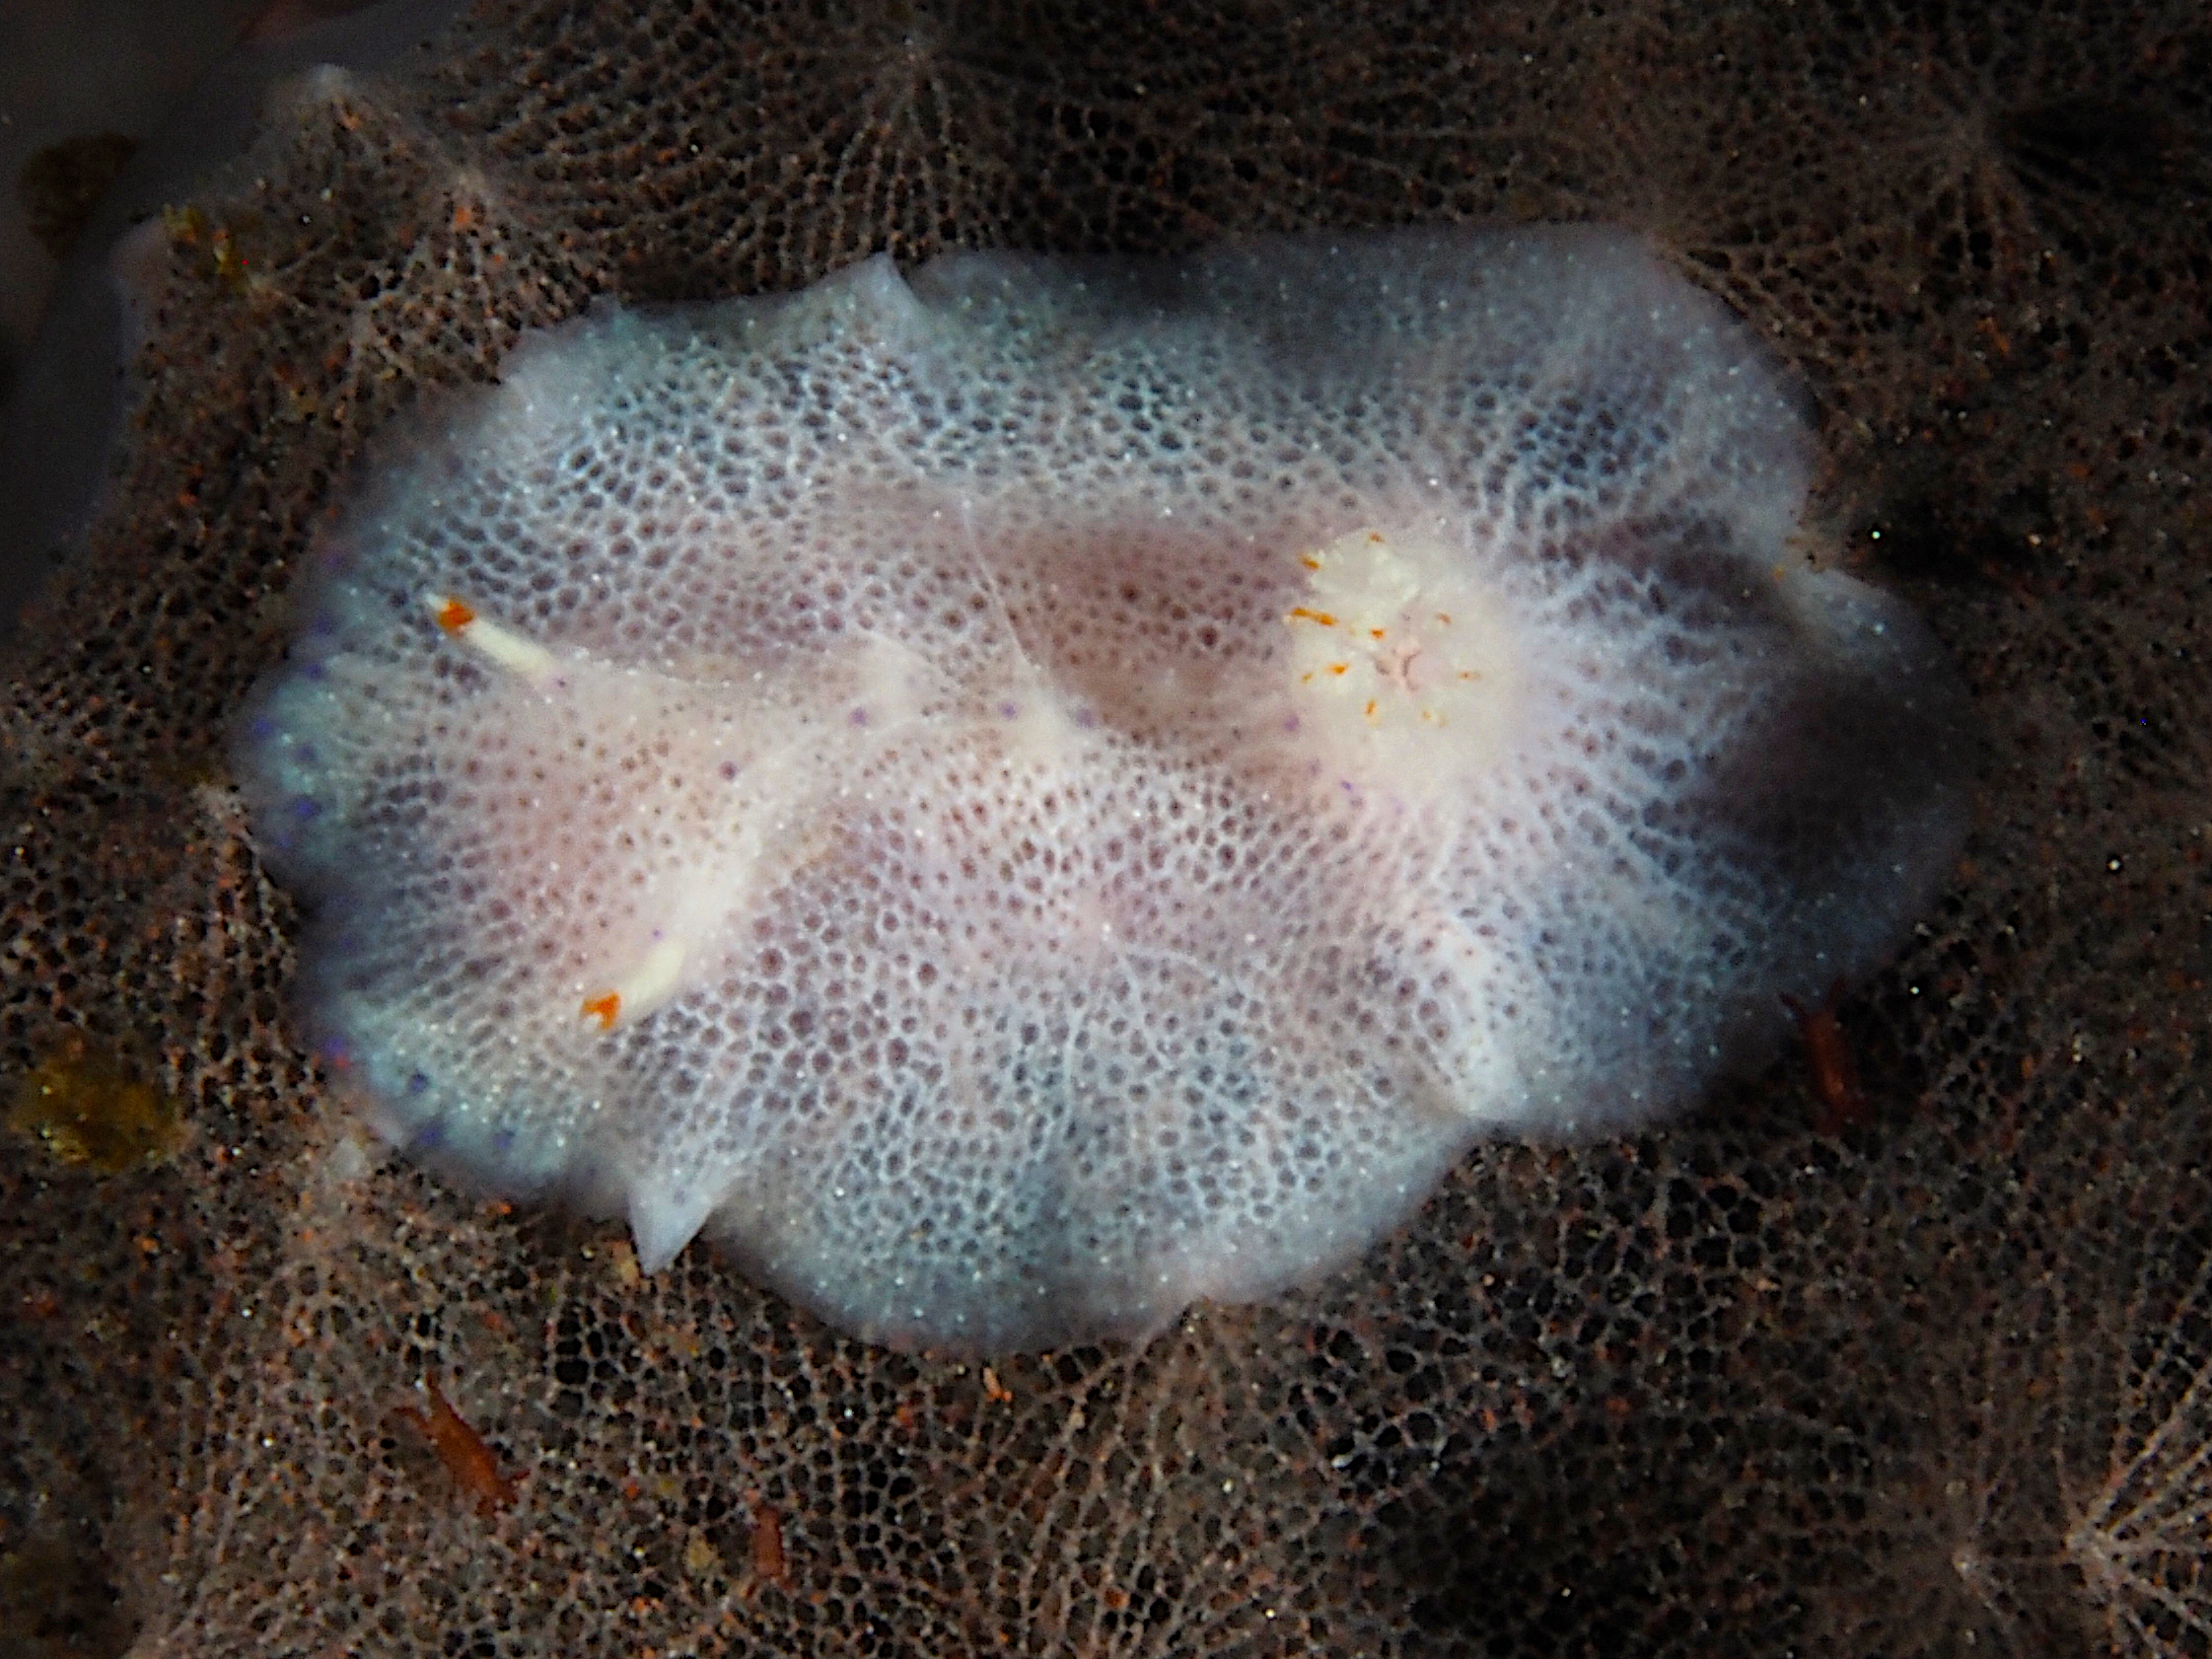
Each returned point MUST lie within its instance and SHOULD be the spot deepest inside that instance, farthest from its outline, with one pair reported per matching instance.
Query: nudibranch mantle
(1024, 795)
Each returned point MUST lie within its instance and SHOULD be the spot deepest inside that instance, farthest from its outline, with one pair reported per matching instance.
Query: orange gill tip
(652, 981)
(502, 647)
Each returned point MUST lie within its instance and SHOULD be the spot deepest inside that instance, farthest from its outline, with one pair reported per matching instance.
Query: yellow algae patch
(91, 1109)
(214, 244)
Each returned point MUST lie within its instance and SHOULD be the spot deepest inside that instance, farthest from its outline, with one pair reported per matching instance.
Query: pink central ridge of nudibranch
(1024, 794)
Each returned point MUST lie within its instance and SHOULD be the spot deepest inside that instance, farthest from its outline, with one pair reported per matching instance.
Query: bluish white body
(1027, 795)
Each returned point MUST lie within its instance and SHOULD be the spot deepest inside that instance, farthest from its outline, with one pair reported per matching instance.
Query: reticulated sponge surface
(1027, 795)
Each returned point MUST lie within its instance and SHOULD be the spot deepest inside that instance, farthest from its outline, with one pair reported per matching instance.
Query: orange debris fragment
(767, 1544)
(1835, 1076)
(463, 1451)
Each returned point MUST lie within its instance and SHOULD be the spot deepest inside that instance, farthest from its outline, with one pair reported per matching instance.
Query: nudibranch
(1024, 794)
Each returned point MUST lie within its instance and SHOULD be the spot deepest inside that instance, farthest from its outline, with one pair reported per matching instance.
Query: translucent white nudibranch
(1403, 673)
(971, 863)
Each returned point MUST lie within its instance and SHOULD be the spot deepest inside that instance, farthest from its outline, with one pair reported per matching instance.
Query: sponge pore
(1027, 796)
